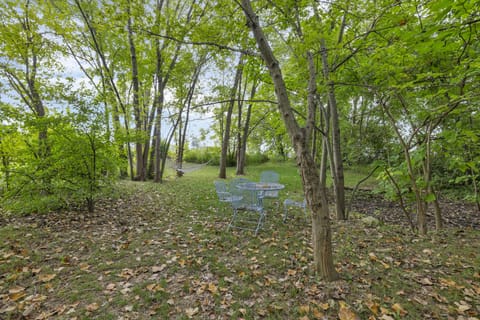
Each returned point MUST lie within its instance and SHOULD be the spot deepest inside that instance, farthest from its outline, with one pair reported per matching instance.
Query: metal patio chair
(270, 176)
(248, 213)
(223, 193)
(235, 182)
(293, 203)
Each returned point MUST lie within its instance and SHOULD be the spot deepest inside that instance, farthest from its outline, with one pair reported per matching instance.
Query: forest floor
(162, 251)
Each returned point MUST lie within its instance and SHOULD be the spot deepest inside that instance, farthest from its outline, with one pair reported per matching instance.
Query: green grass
(162, 251)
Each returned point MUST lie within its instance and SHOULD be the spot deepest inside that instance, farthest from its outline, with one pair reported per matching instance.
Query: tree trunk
(337, 165)
(427, 172)
(187, 104)
(242, 152)
(228, 122)
(316, 198)
(241, 97)
(140, 168)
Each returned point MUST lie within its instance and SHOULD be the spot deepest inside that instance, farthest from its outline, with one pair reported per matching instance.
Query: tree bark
(140, 164)
(314, 192)
(228, 122)
(242, 151)
(337, 165)
(187, 104)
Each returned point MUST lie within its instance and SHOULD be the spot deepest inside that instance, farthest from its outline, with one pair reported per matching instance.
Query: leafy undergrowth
(163, 251)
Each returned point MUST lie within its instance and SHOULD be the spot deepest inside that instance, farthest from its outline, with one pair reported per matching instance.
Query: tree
(430, 83)
(314, 192)
(27, 58)
(226, 134)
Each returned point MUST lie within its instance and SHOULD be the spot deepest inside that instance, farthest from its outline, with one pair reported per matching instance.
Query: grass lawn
(162, 251)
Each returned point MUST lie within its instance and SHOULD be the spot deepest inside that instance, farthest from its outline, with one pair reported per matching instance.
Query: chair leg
(232, 220)
(260, 222)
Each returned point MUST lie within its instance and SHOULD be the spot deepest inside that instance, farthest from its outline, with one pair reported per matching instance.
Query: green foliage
(203, 155)
(81, 163)
(257, 158)
(212, 156)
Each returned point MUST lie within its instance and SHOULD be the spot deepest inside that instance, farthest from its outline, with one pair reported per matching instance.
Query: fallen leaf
(426, 282)
(373, 306)
(317, 314)
(190, 312)
(304, 309)
(398, 309)
(46, 277)
(29, 310)
(93, 307)
(212, 288)
(462, 306)
(111, 286)
(450, 283)
(324, 306)
(17, 296)
(156, 269)
(84, 266)
(345, 313)
(155, 287)
(8, 309)
(16, 289)
(427, 251)
(438, 297)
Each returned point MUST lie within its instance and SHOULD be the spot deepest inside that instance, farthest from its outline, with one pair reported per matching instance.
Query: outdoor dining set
(247, 199)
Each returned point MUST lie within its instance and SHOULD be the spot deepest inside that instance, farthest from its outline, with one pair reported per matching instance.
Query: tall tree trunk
(157, 169)
(337, 165)
(241, 97)
(242, 152)
(315, 194)
(228, 122)
(187, 104)
(140, 168)
(427, 173)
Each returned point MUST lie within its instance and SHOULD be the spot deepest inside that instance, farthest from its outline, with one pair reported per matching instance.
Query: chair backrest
(235, 182)
(222, 190)
(247, 199)
(269, 176)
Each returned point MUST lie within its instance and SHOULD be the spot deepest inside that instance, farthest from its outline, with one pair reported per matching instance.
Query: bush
(212, 155)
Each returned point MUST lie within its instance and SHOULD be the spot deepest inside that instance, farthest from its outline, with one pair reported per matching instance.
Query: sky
(197, 122)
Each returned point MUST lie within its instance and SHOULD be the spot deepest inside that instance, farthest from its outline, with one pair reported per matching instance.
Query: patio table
(261, 187)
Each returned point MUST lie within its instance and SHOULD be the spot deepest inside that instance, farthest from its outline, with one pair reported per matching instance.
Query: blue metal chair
(248, 213)
(235, 182)
(223, 193)
(270, 176)
(293, 203)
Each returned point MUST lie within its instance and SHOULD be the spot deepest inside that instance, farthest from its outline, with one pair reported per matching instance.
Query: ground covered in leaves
(162, 251)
